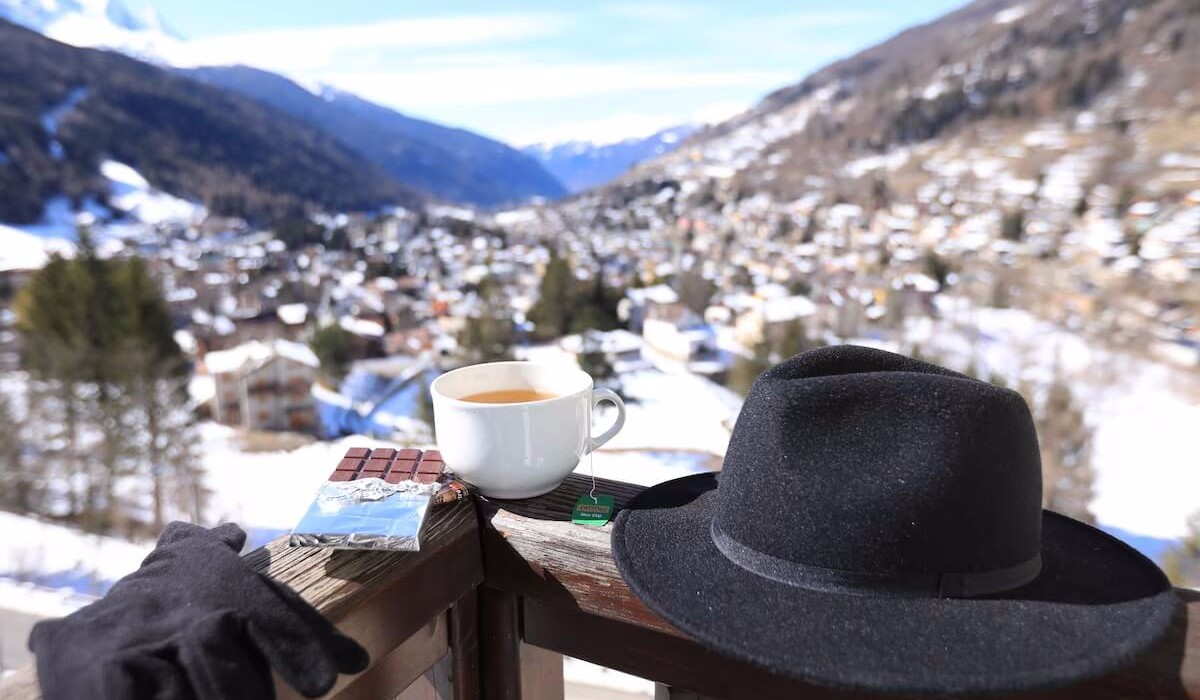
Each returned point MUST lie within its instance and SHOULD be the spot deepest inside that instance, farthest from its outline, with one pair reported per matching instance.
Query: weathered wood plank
(568, 582)
(378, 598)
(382, 598)
(533, 548)
(1165, 674)
(401, 667)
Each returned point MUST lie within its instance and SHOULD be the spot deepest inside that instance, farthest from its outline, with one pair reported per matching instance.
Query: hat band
(900, 585)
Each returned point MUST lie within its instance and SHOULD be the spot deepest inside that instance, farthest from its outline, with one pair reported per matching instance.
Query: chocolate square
(423, 478)
(430, 466)
(383, 453)
(397, 477)
(341, 476)
(349, 464)
(408, 453)
(357, 453)
(377, 465)
(404, 466)
(433, 455)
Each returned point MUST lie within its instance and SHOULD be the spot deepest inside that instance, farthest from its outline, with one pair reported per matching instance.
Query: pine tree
(747, 369)
(695, 291)
(1012, 225)
(101, 355)
(795, 340)
(16, 484)
(551, 315)
(488, 335)
(334, 348)
(593, 360)
(598, 311)
(1066, 442)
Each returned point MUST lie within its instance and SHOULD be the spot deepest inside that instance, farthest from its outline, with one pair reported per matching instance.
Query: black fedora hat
(878, 525)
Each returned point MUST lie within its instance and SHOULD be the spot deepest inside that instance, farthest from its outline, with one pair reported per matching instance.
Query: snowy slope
(108, 24)
(1143, 413)
(23, 250)
(55, 555)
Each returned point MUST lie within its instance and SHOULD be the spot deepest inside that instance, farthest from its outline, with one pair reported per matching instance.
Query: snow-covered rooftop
(256, 352)
(659, 294)
(293, 314)
(787, 309)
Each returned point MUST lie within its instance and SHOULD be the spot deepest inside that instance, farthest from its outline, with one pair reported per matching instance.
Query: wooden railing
(501, 590)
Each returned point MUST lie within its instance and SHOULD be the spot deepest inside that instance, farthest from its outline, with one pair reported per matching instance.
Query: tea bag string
(592, 469)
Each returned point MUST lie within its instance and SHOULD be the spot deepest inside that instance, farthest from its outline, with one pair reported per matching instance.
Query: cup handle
(599, 395)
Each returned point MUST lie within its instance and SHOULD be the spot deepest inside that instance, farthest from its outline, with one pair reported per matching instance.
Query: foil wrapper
(366, 514)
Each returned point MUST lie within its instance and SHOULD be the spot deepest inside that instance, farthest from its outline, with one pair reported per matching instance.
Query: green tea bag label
(591, 510)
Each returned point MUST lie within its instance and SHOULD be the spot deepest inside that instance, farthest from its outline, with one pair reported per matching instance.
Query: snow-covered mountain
(447, 163)
(108, 24)
(582, 165)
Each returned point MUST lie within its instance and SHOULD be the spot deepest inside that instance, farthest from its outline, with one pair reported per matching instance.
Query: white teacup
(518, 450)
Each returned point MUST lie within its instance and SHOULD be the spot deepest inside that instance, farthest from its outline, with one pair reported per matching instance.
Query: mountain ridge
(445, 162)
(989, 68)
(581, 165)
(440, 161)
(232, 154)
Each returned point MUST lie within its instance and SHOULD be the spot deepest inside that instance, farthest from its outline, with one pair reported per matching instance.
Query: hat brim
(1096, 604)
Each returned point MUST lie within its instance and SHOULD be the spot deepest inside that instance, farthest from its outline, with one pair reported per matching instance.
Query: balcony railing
(501, 590)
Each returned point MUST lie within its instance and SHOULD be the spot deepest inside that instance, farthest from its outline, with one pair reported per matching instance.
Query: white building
(265, 386)
(678, 332)
(768, 319)
(637, 304)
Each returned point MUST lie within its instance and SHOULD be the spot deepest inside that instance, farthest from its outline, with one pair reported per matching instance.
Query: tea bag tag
(592, 510)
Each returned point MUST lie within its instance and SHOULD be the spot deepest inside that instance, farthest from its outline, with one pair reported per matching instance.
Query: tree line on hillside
(233, 154)
(103, 425)
(566, 304)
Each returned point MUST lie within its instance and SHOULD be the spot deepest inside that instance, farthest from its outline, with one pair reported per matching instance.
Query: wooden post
(464, 647)
(499, 645)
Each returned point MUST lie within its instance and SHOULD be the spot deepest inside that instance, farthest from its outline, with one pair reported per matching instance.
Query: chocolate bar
(373, 499)
(393, 466)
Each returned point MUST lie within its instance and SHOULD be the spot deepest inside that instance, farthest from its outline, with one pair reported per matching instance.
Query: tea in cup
(517, 429)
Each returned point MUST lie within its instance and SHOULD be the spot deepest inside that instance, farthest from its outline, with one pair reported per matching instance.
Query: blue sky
(537, 71)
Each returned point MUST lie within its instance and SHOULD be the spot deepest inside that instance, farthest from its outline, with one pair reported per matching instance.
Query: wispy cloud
(302, 49)
(578, 71)
(522, 81)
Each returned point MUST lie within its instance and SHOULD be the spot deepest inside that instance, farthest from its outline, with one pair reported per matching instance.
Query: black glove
(193, 622)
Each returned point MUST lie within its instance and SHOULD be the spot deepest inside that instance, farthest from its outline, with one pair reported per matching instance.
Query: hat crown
(859, 460)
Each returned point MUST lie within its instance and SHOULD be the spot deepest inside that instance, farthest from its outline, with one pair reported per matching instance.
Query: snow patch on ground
(266, 490)
(1010, 15)
(59, 556)
(133, 194)
(52, 118)
(580, 672)
(40, 601)
(21, 250)
(1144, 413)
(667, 407)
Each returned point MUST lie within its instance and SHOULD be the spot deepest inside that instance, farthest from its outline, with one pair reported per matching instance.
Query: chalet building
(640, 303)
(622, 349)
(768, 320)
(678, 332)
(265, 386)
